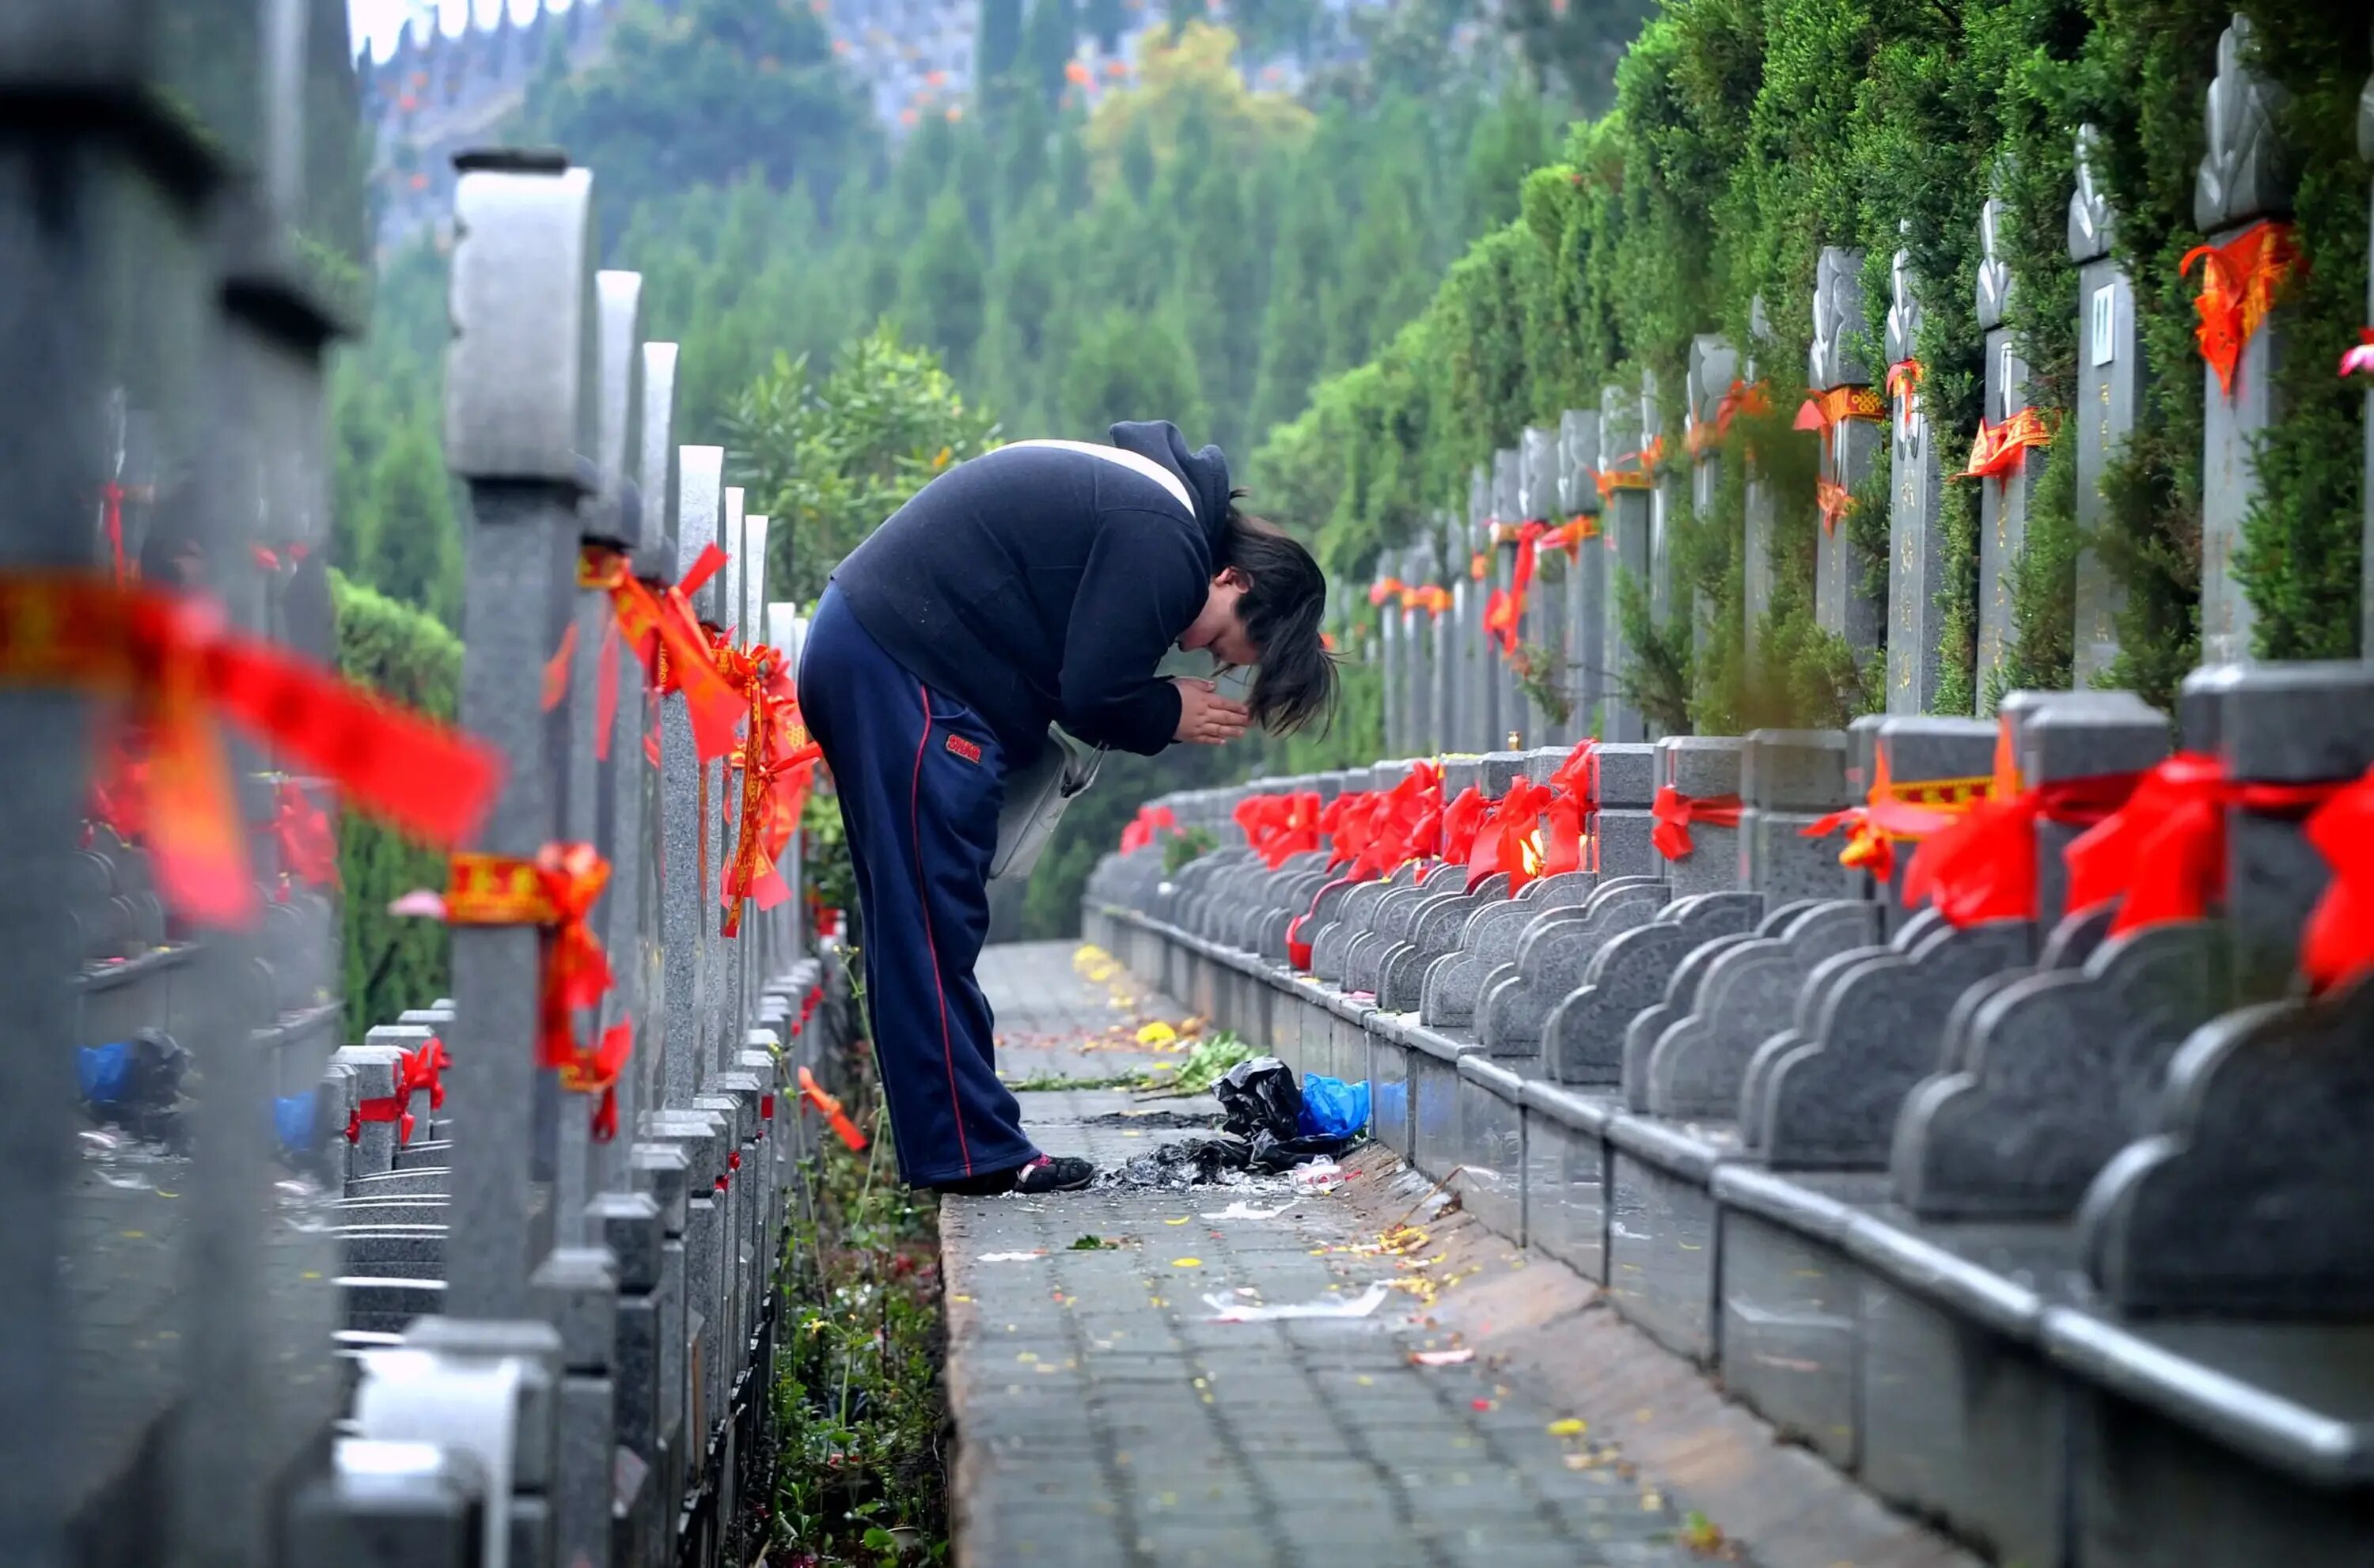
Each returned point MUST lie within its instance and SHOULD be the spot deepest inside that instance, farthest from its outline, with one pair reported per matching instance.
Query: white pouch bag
(1036, 796)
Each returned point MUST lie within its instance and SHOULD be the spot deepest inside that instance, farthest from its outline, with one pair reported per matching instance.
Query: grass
(860, 1411)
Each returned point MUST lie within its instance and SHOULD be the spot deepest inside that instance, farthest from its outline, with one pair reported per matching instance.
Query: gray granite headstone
(2243, 178)
(1916, 571)
(1834, 1100)
(1713, 371)
(2254, 1193)
(1587, 577)
(2111, 374)
(1842, 602)
(1756, 543)
(2003, 502)
(1704, 767)
(1696, 1067)
(520, 429)
(2058, 1070)
(1624, 535)
(1575, 1045)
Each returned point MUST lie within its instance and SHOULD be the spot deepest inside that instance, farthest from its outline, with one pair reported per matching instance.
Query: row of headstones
(1922, 1196)
(1450, 689)
(576, 1329)
(178, 249)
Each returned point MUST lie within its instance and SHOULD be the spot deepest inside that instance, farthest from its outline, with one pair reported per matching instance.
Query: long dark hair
(1295, 683)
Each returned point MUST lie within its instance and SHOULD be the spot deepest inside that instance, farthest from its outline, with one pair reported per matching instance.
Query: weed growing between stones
(861, 1411)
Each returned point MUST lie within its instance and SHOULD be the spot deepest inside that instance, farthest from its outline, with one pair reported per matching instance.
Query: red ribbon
(2163, 854)
(181, 669)
(2359, 360)
(1822, 410)
(1982, 866)
(301, 831)
(1504, 612)
(1675, 812)
(1279, 827)
(1462, 821)
(2238, 282)
(1150, 821)
(1834, 500)
(111, 496)
(1502, 842)
(2000, 449)
(2338, 944)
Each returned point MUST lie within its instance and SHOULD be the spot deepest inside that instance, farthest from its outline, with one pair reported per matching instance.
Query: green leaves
(828, 460)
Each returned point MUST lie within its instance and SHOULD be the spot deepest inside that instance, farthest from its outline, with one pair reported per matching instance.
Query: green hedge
(391, 964)
(1748, 135)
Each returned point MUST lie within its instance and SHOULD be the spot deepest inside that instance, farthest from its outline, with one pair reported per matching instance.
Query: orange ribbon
(1904, 383)
(1740, 397)
(1834, 500)
(1478, 565)
(1387, 588)
(778, 761)
(2238, 282)
(667, 639)
(1571, 536)
(2337, 946)
(555, 892)
(813, 1094)
(2000, 449)
(179, 669)
(1822, 410)
(1675, 812)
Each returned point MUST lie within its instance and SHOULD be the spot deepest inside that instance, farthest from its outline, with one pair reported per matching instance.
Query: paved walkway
(1104, 1417)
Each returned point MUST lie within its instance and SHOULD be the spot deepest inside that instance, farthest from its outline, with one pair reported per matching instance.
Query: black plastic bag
(1259, 1096)
(1273, 1154)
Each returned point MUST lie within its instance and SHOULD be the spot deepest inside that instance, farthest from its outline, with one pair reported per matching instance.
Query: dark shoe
(1042, 1175)
(1046, 1175)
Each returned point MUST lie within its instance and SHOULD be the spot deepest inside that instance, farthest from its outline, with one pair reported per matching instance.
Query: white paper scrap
(1226, 1311)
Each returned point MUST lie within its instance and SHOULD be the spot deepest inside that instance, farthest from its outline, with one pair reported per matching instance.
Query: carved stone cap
(1903, 309)
(1479, 497)
(2090, 210)
(1714, 365)
(1993, 272)
(2243, 176)
(1538, 476)
(1619, 426)
(1759, 332)
(1577, 461)
(1506, 500)
(522, 372)
(1837, 316)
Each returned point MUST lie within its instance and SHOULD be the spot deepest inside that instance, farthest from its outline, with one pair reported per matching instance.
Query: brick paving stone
(1102, 1417)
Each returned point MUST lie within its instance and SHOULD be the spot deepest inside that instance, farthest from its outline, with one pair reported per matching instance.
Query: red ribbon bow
(1675, 812)
(2000, 449)
(301, 831)
(1508, 840)
(1462, 821)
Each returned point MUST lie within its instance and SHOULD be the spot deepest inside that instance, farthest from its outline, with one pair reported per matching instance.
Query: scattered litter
(1226, 1311)
(1094, 1243)
(1320, 1173)
(1441, 1358)
(1157, 1034)
(1183, 1219)
(1240, 1210)
(1186, 1263)
(1012, 1256)
(1260, 1095)
(1569, 1427)
(1480, 1404)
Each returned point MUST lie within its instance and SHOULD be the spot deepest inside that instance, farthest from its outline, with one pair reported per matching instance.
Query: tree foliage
(827, 459)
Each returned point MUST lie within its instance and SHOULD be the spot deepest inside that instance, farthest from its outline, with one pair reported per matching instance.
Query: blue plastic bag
(105, 1072)
(1333, 1108)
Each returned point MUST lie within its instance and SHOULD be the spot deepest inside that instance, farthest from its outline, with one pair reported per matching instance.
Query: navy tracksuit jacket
(1029, 586)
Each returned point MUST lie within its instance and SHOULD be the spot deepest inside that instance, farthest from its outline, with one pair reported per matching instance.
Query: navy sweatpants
(920, 780)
